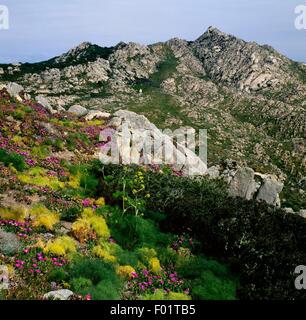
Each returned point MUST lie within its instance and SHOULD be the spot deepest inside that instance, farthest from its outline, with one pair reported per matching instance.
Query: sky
(41, 29)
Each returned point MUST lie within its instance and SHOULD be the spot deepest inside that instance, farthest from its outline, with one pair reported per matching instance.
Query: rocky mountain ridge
(249, 97)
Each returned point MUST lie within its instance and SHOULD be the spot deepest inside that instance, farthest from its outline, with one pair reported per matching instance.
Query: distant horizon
(41, 30)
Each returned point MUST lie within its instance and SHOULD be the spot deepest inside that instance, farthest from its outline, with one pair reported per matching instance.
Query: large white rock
(213, 172)
(45, 103)
(269, 191)
(243, 184)
(63, 294)
(144, 143)
(14, 90)
(78, 110)
(96, 114)
(302, 213)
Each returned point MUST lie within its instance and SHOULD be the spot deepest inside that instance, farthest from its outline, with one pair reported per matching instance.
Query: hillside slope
(73, 228)
(249, 97)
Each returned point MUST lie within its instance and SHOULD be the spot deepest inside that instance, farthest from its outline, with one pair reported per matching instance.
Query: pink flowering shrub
(32, 261)
(145, 282)
(22, 229)
(32, 268)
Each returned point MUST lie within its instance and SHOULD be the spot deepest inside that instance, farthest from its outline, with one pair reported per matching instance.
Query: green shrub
(94, 269)
(71, 214)
(168, 257)
(58, 275)
(209, 279)
(130, 231)
(71, 144)
(89, 183)
(78, 285)
(41, 151)
(106, 285)
(14, 159)
(105, 290)
(263, 244)
(210, 287)
(88, 179)
(125, 258)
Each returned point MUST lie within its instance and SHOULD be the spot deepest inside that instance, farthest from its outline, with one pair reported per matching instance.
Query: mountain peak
(212, 32)
(75, 52)
(83, 53)
(83, 45)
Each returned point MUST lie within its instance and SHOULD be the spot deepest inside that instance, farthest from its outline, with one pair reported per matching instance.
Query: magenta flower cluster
(32, 262)
(147, 282)
(22, 229)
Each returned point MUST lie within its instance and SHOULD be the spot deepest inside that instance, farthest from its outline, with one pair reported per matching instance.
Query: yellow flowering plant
(132, 193)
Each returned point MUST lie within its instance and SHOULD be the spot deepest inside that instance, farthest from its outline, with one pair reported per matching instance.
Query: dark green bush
(127, 258)
(209, 279)
(210, 287)
(131, 230)
(95, 277)
(94, 269)
(78, 285)
(88, 180)
(89, 183)
(71, 214)
(12, 158)
(105, 290)
(58, 275)
(262, 244)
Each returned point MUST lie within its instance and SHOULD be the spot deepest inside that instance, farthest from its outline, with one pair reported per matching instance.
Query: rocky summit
(75, 225)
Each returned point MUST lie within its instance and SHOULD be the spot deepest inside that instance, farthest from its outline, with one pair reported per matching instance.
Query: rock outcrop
(269, 191)
(136, 140)
(245, 183)
(247, 66)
